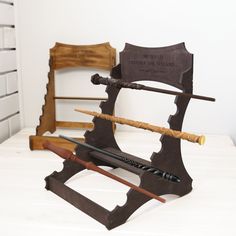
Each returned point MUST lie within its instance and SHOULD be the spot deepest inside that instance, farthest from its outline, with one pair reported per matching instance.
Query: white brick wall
(9, 99)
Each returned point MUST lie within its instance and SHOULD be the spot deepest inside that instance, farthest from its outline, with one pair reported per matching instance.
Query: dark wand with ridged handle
(154, 170)
(68, 155)
(97, 79)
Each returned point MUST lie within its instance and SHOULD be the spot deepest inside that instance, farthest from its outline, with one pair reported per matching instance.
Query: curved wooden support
(120, 214)
(172, 72)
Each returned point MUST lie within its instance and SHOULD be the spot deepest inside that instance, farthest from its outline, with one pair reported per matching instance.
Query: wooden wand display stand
(172, 65)
(64, 56)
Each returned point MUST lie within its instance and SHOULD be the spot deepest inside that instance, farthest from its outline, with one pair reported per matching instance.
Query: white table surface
(27, 208)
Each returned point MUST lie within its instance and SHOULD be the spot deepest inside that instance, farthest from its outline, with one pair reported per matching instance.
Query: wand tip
(201, 140)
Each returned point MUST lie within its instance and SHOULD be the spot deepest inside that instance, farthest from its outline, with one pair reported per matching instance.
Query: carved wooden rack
(62, 56)
(172, 65)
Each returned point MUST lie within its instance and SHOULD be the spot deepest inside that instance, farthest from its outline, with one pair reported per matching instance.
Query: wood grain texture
(143, 125)
(71, 124)
(36, 142)
(100, 56)
(48, 117)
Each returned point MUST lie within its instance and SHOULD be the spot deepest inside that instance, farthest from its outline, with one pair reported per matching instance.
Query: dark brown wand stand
(171, 65)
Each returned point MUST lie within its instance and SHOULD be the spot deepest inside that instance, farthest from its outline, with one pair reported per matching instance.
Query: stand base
(119, 215)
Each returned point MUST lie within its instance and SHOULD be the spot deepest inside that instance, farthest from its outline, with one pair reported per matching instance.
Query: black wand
(162, 174)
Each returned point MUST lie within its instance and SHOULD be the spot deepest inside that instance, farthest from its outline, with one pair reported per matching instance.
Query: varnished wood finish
(78, 125)
(171, 65)
(100, 56)
(36, 142)
(48, 117)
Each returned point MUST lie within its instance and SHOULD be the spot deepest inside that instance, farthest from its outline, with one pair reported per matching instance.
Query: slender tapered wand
(68, 155)
(97, 79)
(151, 169)
(142, 125)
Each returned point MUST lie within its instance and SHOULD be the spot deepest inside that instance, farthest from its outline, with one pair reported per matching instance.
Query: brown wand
(68, 155)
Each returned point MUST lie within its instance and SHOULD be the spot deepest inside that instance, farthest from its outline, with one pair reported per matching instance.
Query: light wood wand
(68, 155)
(138, 124)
